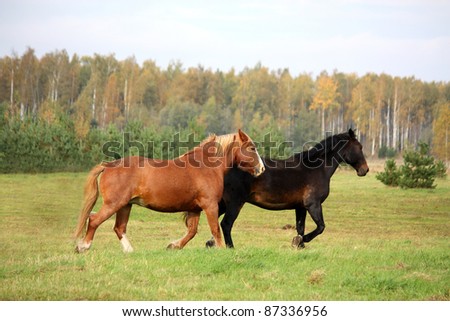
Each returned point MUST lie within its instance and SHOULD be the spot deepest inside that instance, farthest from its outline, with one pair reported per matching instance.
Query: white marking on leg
(126, 245)
(83, 246)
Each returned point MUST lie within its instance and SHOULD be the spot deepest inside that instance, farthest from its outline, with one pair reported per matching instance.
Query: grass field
(380, 244)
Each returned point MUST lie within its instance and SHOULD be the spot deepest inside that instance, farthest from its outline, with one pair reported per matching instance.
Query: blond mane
(225, 142)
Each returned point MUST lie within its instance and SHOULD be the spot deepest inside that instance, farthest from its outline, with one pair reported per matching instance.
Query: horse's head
(353, 155)
(246, 156)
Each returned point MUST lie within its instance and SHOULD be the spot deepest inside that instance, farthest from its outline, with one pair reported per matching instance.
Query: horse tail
(90, 198)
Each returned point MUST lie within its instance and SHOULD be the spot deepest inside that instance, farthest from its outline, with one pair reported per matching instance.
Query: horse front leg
(227, 225)
(315, 211)
(300, 218)
(222, 210)
(192, 219)
(212, 215)
(232, 212)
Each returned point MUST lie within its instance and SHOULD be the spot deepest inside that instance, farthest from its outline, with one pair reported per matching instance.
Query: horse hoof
(210, 243)
(297, 242)
(80, 249)
(173, 246)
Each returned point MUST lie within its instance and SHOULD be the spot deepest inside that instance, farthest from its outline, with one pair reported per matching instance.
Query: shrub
(441, 169)
(418, 171)
(35, 145)
(391, 174)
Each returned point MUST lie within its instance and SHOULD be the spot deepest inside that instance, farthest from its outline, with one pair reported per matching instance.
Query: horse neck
(330, 163)
(331, 169)
(325, 161)
(218, 162)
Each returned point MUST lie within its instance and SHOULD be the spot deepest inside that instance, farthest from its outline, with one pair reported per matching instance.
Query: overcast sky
(399, 37)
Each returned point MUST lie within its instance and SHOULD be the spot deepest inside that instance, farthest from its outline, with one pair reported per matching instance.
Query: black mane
(324, 148)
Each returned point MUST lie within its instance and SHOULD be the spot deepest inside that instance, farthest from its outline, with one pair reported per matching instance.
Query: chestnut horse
(301, 183)
(192, 182)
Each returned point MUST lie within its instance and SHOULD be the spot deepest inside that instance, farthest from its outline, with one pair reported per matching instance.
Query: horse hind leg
(300, 218)
(81, 246)
(120, 227)
(192, 219)
(95, 219)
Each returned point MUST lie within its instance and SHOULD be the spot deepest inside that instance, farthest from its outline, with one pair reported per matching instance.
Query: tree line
(93, 96)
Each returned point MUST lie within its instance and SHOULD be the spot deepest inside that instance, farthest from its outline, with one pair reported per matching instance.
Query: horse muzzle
(363, 170)
(259, 170)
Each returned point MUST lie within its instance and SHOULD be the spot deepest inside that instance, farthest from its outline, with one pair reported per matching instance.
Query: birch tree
(441, 130)
(361, 108)
(129, 73)
(325, 97)
(28, 80)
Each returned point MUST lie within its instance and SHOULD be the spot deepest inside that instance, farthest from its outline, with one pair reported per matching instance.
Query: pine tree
(419, 169)
(391, 174)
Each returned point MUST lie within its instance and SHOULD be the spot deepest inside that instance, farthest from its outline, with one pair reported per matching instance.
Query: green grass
(380, 244)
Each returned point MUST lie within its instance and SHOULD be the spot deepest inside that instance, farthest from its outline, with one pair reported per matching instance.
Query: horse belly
(274, 206)
(166, 196)
(172, 208)
(281, 200)
(167, 202)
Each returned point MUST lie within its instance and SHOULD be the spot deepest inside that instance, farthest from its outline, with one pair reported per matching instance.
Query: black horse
(301, 182)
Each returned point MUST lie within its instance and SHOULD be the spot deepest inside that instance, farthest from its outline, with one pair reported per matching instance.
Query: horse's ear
(352, 134)
(243, 136)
